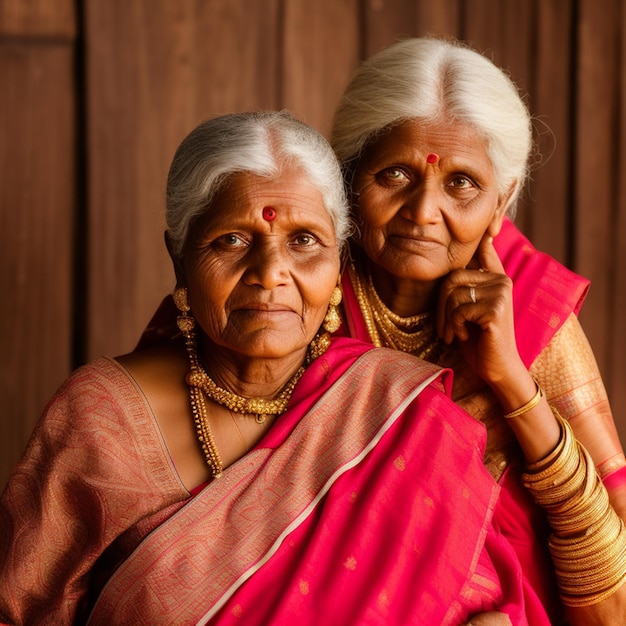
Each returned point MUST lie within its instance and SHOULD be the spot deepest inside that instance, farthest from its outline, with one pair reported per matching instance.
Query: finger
(486, 257)
(453, 313)
(454, 291)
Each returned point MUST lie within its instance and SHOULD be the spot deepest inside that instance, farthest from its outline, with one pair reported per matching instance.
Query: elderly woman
(434, 142)
(246, 468)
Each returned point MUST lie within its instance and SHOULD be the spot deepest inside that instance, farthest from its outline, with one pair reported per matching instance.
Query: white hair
(435, 80)
(260, 143)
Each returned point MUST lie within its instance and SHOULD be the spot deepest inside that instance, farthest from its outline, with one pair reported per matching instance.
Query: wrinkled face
(428, 194)
(261, 265)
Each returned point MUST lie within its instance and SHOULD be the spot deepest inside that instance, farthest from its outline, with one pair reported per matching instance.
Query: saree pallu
(366, 503)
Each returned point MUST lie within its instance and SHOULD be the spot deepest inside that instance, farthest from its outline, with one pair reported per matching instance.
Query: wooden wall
(97, 94)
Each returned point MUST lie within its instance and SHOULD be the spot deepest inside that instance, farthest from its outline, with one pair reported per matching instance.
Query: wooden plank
(502, 32)
(237, 63)
(550, 194)
(438, 18)
(320, 51)
(36, 214)
(155, 69)
(594, 183)
(42, 18)
(387, 21)
(616, 374)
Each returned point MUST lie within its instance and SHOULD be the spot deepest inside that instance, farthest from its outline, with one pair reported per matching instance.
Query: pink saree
(366, 503)
(336, 517)
(545, 297)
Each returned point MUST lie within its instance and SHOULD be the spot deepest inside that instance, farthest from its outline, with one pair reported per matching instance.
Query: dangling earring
(332, 320)
(185, 322)
(321, 342)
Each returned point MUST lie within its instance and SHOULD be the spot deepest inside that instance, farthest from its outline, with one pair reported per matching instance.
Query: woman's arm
(94, 466)
(476, 309)
(568, 372)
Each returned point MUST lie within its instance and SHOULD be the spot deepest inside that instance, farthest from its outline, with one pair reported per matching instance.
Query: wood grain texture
(595, 177)
(150, 70)
(615, 371)
(387, 21)
(320, 49)
(550, 196)
(38, 18)
(36, 227)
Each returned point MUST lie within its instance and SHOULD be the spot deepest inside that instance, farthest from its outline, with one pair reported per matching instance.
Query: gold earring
(185, 322)
(321, 342)
(332, 320)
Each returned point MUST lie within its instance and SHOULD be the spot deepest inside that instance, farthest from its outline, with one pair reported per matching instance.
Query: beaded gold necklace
(201, 385)
(414, 334)
(197, 377)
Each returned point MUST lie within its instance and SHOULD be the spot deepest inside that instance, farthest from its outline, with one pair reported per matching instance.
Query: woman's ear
(504, 202)
(177, 261)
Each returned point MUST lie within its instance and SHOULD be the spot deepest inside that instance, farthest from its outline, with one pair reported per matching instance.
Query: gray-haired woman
(434, 141)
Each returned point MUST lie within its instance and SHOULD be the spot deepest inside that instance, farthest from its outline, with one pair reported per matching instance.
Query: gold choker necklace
(197, 377)
(201, 385)
(415, 334)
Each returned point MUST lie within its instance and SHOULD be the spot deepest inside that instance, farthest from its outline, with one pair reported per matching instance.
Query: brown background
(97, 94)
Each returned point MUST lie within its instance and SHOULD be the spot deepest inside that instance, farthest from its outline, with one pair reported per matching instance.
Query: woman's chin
(271, 344)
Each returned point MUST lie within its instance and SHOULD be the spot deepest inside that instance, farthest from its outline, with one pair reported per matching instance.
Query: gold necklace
(415, 334)
(201, 385)
(197, 377)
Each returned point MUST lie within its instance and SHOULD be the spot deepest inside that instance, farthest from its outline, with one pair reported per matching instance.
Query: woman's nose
(422, 206)
(268, 265)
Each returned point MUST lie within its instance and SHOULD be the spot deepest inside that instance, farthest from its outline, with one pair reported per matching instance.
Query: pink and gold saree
(546, 299)
(366, 503)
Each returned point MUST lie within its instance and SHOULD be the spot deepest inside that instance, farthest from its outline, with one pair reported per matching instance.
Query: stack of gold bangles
(588, 544)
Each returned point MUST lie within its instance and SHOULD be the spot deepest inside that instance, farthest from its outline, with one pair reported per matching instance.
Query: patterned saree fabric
(546, 300)
(366, 503)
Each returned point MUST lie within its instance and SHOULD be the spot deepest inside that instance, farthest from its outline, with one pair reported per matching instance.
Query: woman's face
(422, 216)
(261, 264)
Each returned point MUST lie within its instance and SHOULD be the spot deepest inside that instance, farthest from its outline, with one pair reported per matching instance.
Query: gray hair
(435, 80)
(260, 143)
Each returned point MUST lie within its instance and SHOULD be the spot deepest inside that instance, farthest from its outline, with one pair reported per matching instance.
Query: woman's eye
(461, 182)
(304, 240)
(393, 174)
(230, 240)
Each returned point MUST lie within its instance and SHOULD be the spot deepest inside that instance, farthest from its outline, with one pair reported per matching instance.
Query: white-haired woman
(434, 141)
(244, 468)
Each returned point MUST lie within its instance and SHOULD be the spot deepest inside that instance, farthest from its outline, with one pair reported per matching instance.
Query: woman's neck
(404, 296)
(249, 377)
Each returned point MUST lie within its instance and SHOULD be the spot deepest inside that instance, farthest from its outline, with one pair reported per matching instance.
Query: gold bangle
(531, 404)
(588, 540)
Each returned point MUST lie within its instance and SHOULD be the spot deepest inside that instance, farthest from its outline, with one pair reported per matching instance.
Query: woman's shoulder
(526, 264)
(100, 423)
(108, 397)
(91, 384)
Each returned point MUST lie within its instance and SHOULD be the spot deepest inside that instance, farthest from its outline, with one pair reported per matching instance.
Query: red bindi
(269, 214)
(432, 157)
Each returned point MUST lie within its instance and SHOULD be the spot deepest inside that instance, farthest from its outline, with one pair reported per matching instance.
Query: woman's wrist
(589, 542)
(527, 406)
(529, 416)
(515, 389)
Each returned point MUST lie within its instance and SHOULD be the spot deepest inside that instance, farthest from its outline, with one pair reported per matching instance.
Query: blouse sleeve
(568, 372)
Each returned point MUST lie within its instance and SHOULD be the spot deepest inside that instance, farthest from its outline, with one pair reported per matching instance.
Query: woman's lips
(413, 242)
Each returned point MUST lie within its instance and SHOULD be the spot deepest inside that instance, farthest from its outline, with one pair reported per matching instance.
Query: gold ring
(472, 293)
